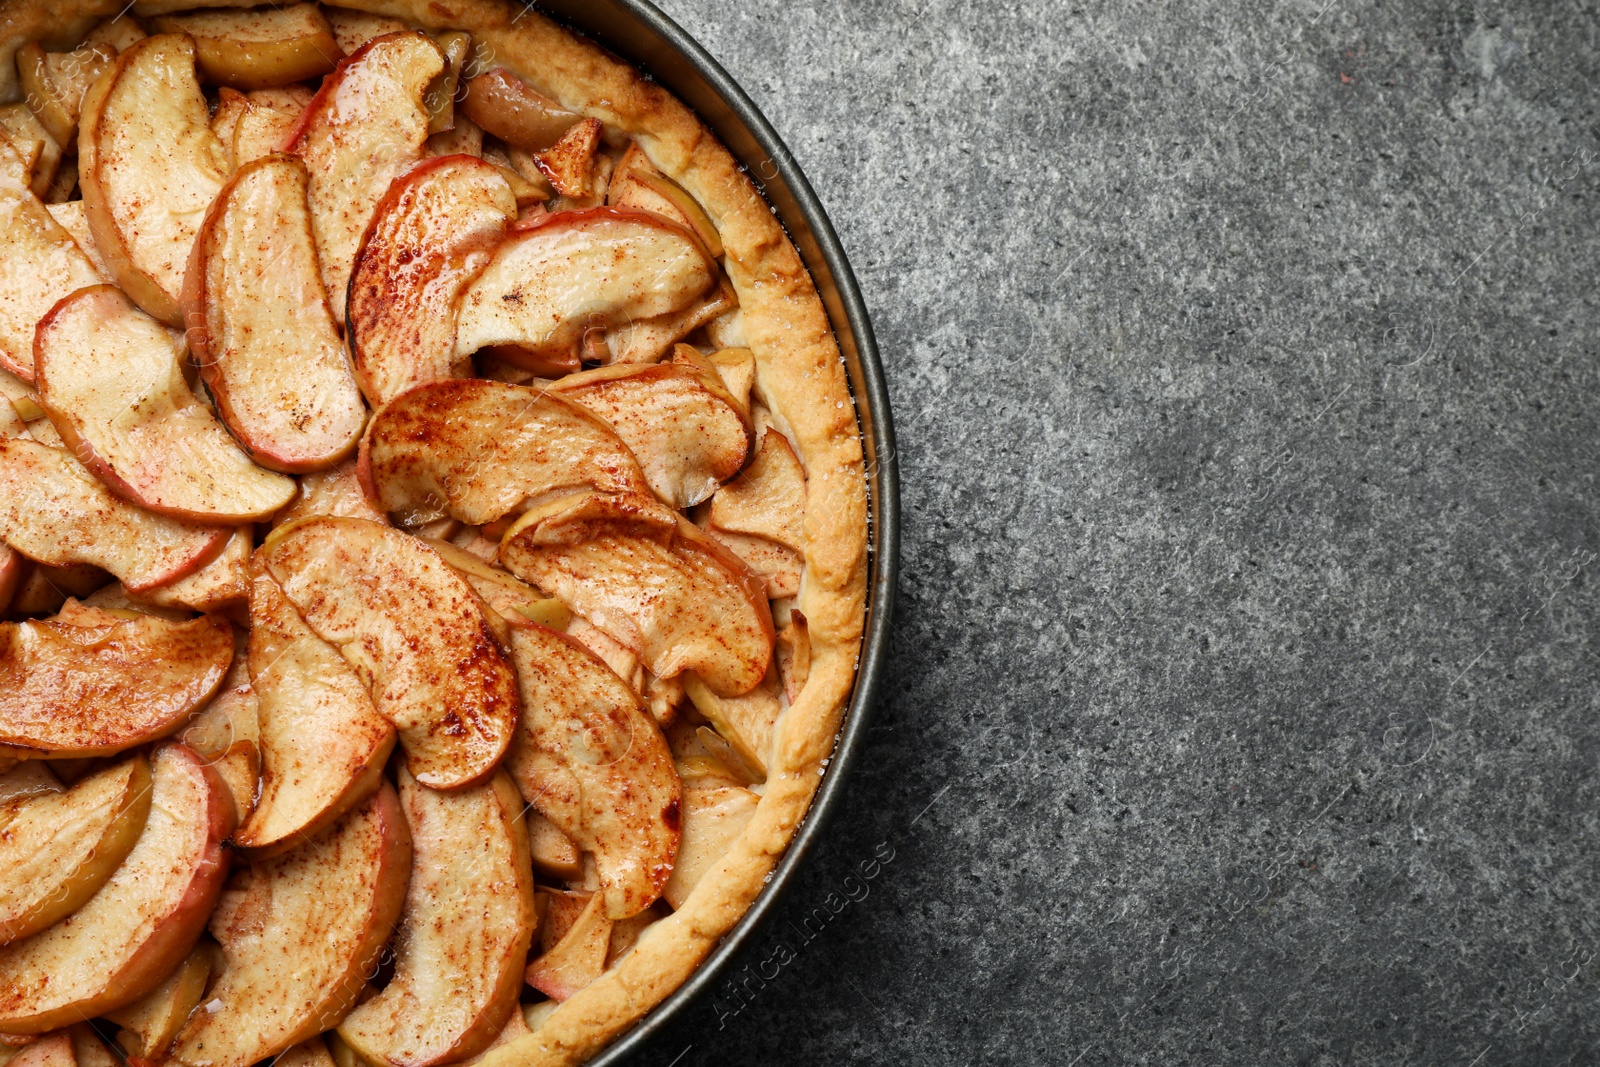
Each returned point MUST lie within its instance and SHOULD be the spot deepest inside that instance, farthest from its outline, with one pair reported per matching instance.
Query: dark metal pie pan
(639, 33)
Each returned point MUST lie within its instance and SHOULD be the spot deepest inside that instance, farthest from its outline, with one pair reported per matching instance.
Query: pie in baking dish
(432, 536)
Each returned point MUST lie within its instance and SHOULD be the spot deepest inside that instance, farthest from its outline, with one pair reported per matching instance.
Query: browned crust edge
(799, 376)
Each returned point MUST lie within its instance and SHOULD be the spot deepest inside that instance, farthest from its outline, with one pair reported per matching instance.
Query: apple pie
(432, 536)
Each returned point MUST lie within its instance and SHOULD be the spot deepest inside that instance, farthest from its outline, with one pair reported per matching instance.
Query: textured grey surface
(1244, 360)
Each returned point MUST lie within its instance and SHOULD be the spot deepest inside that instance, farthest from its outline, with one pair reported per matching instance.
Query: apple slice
(42, 153)
(149, 1024)
(222, 584)
(637, 183)
(503, 105)
(52, 511)
(415, 633)
(323, 744)
(687, 430)
(300, 934)
(479, 451)
(53, 1050)
(352, 29)
(589, 758)
(569, 164)
(746, 722)
(713, 819)
(121, 31)
(268, 118)
(308, 1053)
(448, 1002)
(761, 515)
(647, 340)
(579, 956)
(53, 83)
(335, 491)
(514, 599)
(102, 683)
(432, 232)
(142, 922)
(231, 106)
(57, 849)
(557, 277)
(150, 165)
(167, 452)
(262, 48)
(260, 327)
(71, 217)
(42, 590)
(555, 857)
(227, 734)
(40, 264)
(652, 581)
(365, 127)
(441, 98)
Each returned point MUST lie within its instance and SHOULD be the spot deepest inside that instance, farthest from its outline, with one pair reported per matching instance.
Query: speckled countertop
(1243, 701)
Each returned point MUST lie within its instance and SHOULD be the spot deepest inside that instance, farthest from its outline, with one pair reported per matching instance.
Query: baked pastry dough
(798, 377)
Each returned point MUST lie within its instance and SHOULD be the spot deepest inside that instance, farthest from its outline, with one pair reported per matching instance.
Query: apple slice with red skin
(471, 885)
(43, 263)
(505, 106)
(260, 328)
(149, 1024)
(685, 428)
(54, 512)
(167, 453)
(323, 744)
(651, 580)
(102, 683)
(143, 921)
(589, 758)
(366, 126)
(58, 848)
(300, 934)
(557, 277)
(150, 165)
(415, 633)
(479, 451)
(431, 234)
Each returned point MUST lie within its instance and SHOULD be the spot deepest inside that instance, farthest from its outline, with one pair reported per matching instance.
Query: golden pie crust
(799, 376)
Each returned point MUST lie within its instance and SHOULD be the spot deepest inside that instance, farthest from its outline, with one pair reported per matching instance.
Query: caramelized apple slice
(221, 584)
(150, 166)
(70, 216)
(441, 98)
(761, 515)
(299, 936)
(143, 921)
(104, 683)
(42, 152)
(713, 819)
(53, 83)
(227, 734)
(150, 1023)
(479, 451)
(432, 232)
(746, 722)
(352, 29)
(589, 758)
(503, 105)
(579, 956)
(268, 118)
(569, 164)
(415, 633)
(323, 744)
(167, 452)
(335, 491)
(366, 126)
(52, 511)
(58, 848)
(308, 1053)
(263, 48)
(39, 264)
(637, 184)
(651, 580)
(445, 1004)
(260, 327)
(647, 340)
(559, 276)
(514, 599)
(685, 428)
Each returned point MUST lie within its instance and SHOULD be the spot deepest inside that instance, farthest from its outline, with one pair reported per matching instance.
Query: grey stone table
(1244, 704)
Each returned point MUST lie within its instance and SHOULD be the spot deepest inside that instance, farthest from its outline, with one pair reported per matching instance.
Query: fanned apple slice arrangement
(397, 556)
